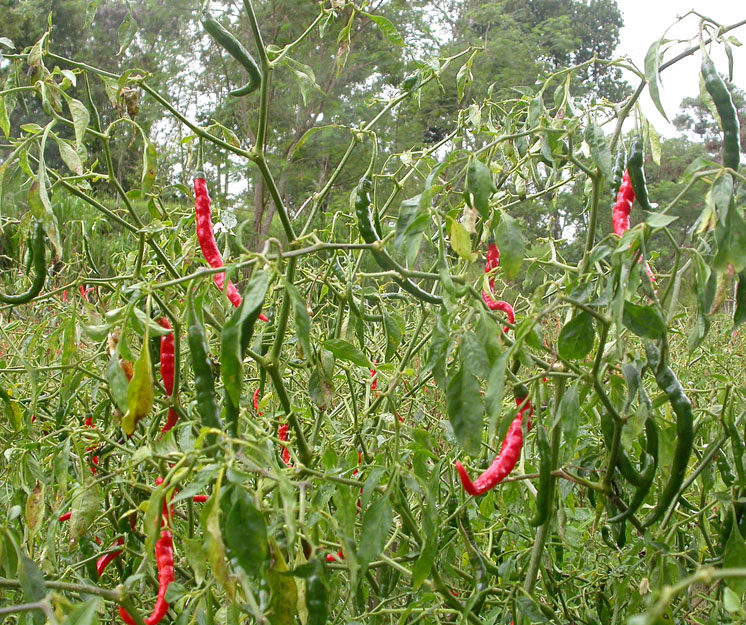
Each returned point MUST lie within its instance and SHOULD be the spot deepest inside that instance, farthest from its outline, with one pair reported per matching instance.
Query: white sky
(645, 21)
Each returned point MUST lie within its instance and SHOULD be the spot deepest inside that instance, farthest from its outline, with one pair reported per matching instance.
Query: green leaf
(245, 534)
(69, 156)
(465, 409)
(86, 507)
(284, 592)
(460, 240)
(4, 119)
(83, 614)
(139, 391)
(126, 33)
(643, 321)
(658, 220)
(411, 224)
(377, 522)
(81, 118)
(600, 152)
(32, 583)
(569, 419)
(429, 551)
(387, 28)
(479, 187)
(302, 320)
(734, 555)
(512, 246)
(652, 75)
(348, 352)
(118, 382)
(213, 544)
(577, 337)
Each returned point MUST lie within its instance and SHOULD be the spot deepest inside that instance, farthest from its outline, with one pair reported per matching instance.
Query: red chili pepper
(282, 433)
(200, 498)
(206, 238)
(505, 461)
(623, 205)
(88, 421)
(108, 558)
(164, 558)
(491, 263)
(374, 383)
(255, 402)
(620, 213)
(65, 517)
(167, 371)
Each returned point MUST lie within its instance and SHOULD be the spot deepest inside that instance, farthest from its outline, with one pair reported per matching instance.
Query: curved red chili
(108, 558)
(503, 464)
(164, 558)
(491, 263)
(206, 238)
(65, 517)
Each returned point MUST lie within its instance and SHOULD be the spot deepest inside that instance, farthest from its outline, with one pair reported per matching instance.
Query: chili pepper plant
(327, 395)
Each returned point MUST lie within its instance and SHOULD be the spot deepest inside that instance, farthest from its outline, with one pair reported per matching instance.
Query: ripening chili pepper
(726, 109)
(637, 174)
(682, 408)
(236, 49)
(206, 238)
(370, 234)
(167, 371)
(36, 246)
(108, 558)
(510, 451)
(164, 558)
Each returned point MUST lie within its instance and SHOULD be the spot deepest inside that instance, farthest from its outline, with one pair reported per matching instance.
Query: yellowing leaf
(139, 391)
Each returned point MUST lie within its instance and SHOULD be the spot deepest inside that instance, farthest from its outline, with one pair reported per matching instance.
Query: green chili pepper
(726, 110)
(36, 245)
(726, 472)
(236, 49)
(368, 231)
(204, 380)
(624, 462)
(647, 471)
(682, 408)
(637, 174)
(316, 593)
(544, 490)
